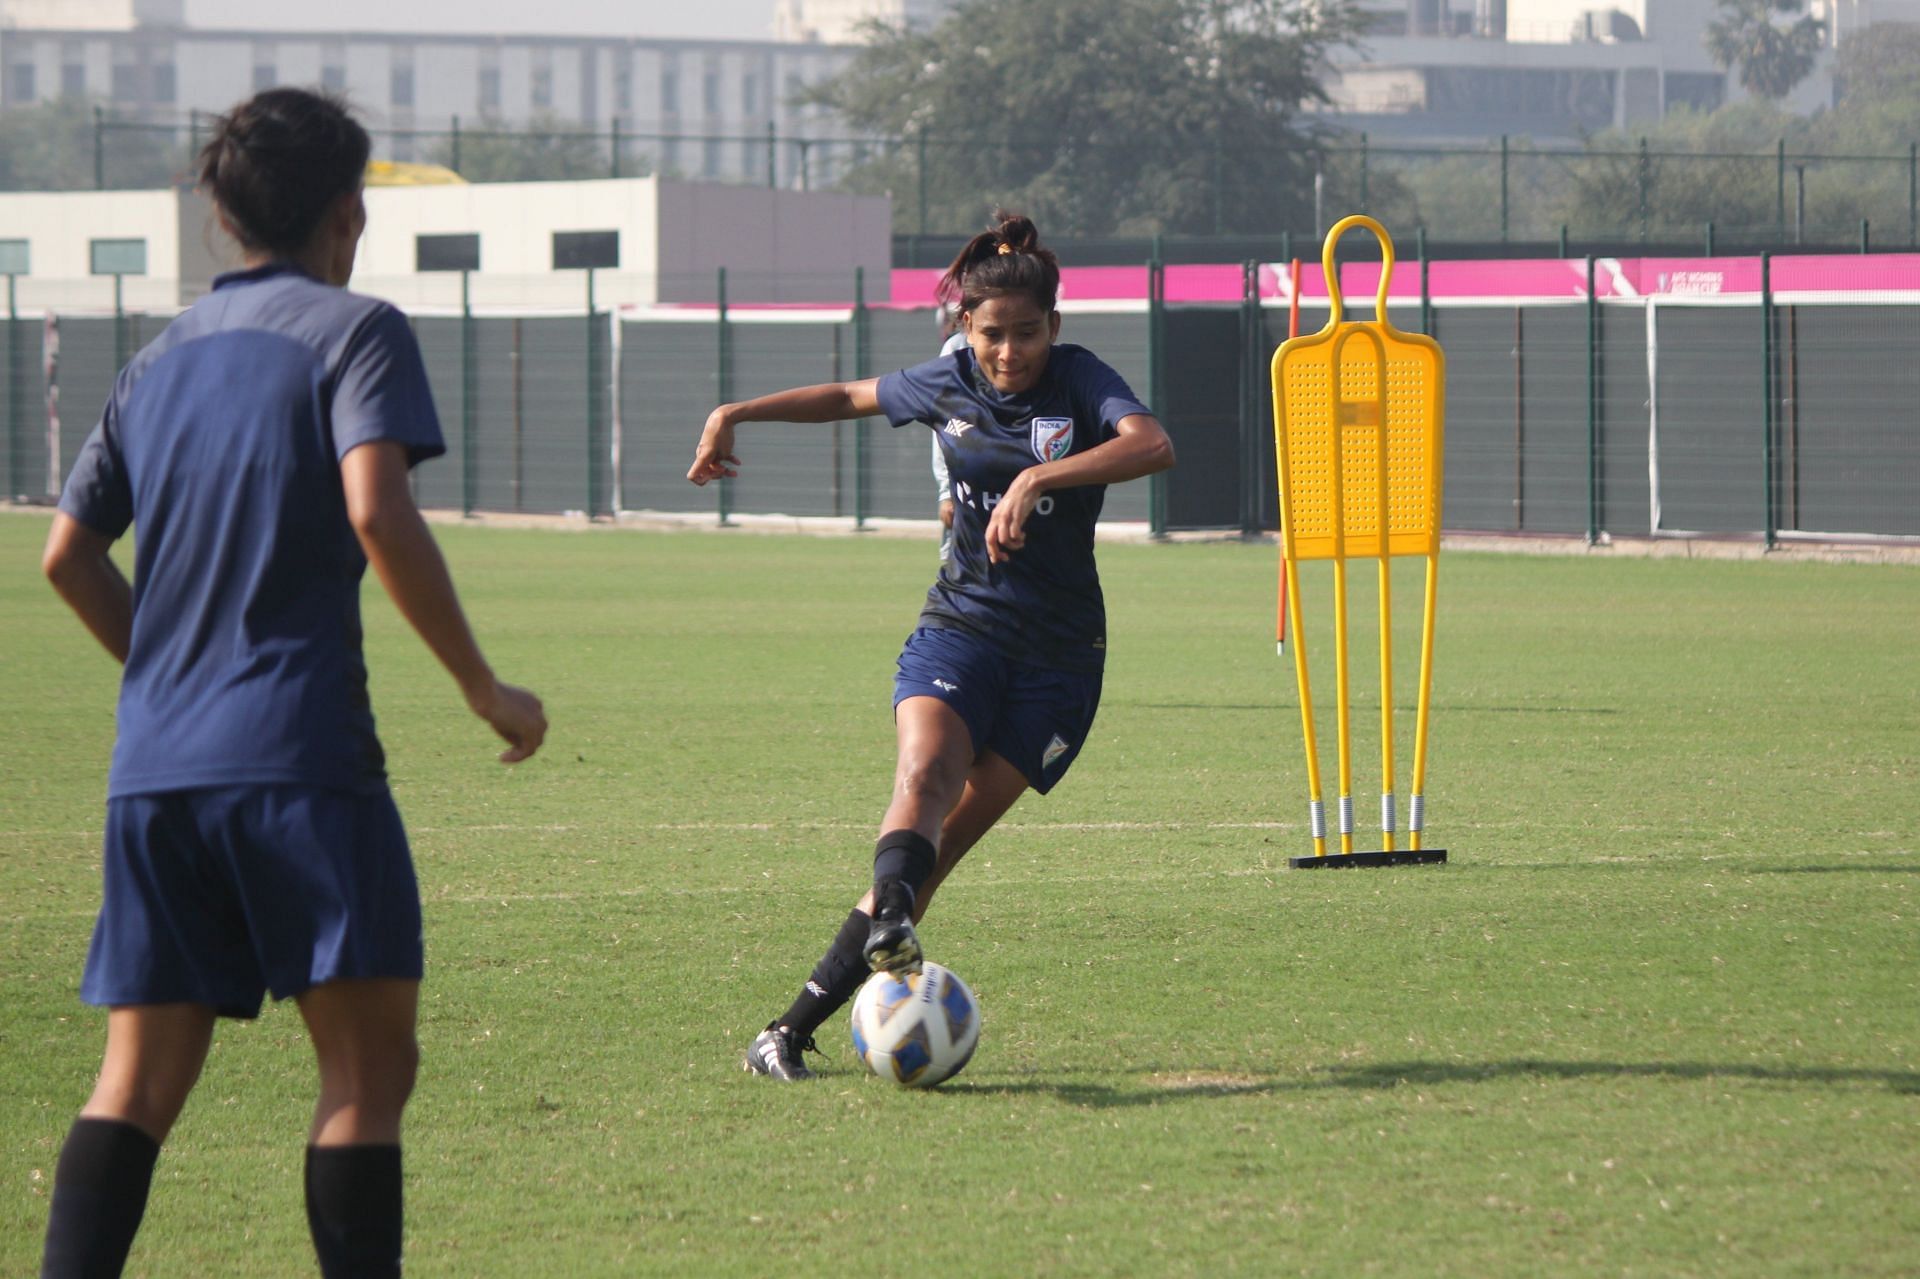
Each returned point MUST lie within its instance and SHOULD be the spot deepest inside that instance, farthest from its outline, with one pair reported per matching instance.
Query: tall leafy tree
(50, 147)
(548, 148)
(1097, 116)
(1770, 58)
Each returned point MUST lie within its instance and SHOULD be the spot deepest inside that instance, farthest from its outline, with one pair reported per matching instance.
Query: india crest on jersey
(1052, 438)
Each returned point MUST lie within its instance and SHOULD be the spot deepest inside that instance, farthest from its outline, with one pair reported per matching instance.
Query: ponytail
(1005, 261)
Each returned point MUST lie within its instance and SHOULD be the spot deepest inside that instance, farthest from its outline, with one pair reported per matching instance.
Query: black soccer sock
(835, 978)
(99, 1195)
(902, 857)
(354, 1210)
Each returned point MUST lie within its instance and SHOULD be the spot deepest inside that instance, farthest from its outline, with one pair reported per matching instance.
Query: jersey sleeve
(381, 391)
(1109, 396)
(908, 395)
(98, 492)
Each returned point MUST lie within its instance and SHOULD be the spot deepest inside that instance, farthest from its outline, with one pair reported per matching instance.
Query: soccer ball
(915, 1028)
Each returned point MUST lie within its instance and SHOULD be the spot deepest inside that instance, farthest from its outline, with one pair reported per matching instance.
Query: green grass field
(1659, 1016)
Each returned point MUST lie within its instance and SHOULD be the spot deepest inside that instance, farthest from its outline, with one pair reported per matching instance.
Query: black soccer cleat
(776, 1054)
(892, 945)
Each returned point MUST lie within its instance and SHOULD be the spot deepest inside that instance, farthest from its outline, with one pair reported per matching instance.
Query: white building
(651, 240)
(840, 21)
(1461, 70)
(698, 108)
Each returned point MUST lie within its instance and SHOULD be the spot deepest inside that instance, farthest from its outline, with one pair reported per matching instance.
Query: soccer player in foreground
(261, 446)
(996, 689)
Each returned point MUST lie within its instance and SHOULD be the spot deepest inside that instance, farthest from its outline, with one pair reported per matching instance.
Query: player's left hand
(1007, 526)
(714, 458)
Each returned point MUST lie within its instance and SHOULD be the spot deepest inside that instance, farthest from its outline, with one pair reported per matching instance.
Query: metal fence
(1506, 191)
(1640, 416)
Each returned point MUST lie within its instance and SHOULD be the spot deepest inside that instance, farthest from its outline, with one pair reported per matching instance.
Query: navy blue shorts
(1035, 718)
(216, 896)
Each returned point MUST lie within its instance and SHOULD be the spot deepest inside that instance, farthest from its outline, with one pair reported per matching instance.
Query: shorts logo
(1055, 749)
(951, 688)
(1052, 438)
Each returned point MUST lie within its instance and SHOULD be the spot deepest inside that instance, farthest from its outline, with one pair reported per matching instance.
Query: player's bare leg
(930, 779)
(364, 1037)
(993, 786)
(153, 1059)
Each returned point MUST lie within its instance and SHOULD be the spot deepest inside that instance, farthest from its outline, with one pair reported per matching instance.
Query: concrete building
(1462, 70)
(650, 240)
(694, 108)
(840, 21)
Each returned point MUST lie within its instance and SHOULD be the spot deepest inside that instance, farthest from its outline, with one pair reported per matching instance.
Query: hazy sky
(739, 19)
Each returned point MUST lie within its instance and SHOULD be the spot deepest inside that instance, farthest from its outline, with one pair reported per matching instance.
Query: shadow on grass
(1675, 862)
(1385, 1076)
(1359, 706)
(1864, 868)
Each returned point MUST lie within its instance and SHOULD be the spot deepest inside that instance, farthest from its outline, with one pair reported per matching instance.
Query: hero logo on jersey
(1052, 438)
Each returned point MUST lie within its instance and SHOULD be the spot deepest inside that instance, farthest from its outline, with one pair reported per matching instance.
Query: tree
(50, 147)
(1096, 116)
(547, 149)
(1771, 58)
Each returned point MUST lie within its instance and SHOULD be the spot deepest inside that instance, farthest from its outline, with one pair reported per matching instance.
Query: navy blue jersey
(1044, 605)
(222, 442)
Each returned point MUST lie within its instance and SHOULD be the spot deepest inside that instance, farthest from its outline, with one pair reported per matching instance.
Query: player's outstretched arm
(1139, 447)
(78, 563)
(715, 459)
(408, 562)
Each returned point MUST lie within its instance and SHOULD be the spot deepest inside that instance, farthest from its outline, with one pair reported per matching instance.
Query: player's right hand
(714, 458)
(517, 716)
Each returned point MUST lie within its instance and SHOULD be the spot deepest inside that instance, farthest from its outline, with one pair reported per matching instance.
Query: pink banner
(914, 287)
(1522, 280)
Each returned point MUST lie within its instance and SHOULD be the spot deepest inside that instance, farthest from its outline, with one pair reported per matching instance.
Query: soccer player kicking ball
(997, 688)
(261, 446)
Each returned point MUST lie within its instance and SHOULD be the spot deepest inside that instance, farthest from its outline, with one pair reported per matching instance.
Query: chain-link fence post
(593, 398)
(469, 376)
(1363, 174)
(1505, 206)
(725, 380)
(1593, 404)
(862, 354)
(14, 458)
(1156, 382)
(1780, 191)
(1766, 383)
(1426, 296)
(1644, 169)
(1913, 193)
(1252, 370)
(921, 173)
(119, 323)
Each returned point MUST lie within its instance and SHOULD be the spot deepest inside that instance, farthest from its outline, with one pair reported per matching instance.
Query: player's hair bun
(1017, 234)
(1009, 259)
